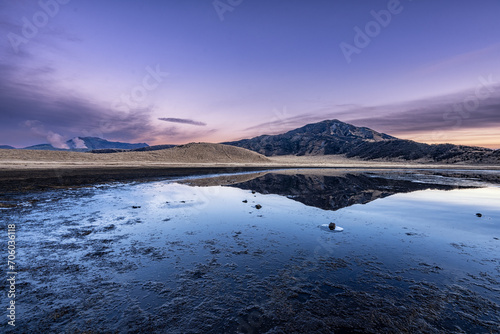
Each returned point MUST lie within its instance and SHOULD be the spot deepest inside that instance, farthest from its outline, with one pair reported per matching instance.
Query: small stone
(136, 207)
(245, 201)
(258, 206)
(479, 215)
(331, 226)
(253, 191)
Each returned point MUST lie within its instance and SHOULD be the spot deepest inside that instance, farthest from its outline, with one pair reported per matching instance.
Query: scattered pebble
(332, 227)
(136, 207)
(245, 201)
(258, 206)
(479, 215)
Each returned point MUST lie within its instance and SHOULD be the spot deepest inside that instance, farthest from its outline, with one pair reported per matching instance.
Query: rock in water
(479, 215)
(331, 226)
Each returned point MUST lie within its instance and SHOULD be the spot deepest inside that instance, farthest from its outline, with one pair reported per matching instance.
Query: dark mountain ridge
(333, 137)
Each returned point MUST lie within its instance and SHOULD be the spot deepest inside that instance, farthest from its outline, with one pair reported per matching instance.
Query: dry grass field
(192, 155)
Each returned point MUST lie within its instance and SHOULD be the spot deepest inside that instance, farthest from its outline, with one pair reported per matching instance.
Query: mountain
(142, 149)
(44, 147)
(6, 147)
(206, 153)
(95, 143)
(153, 148)
(84, 144)
(335, 137)
(327, 137)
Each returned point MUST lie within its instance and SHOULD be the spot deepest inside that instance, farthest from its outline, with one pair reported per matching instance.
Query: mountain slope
(43, 147)
(95, 143)
(326, 137)
(83, 144)
(335, 137)
(204, 153)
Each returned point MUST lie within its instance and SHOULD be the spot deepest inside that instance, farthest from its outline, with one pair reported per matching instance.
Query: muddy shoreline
(41, 179)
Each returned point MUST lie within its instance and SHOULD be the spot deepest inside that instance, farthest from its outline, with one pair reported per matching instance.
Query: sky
(179, 71)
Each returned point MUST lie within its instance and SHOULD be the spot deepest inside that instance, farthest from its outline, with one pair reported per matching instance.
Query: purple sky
(176, 71)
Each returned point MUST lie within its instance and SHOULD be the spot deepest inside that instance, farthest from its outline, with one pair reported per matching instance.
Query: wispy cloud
(182, 121)
(53, 138)
(442, 113)
(458, 59)
(50, 112)
(33, 113)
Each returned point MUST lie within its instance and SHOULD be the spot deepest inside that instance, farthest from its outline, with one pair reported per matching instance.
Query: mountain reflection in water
(331, 192)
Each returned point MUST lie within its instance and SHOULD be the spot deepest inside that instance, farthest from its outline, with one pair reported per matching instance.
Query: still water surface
(248, 253)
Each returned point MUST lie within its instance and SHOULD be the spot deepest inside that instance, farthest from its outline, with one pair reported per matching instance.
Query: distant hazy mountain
(153, 148)
(44, 147)
(6, 147)
(142, 149)
(84, 144)
(95, 143)
(336, 137)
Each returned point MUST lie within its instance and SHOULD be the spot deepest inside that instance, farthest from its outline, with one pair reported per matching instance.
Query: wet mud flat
(166, 257)
(20, 180)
